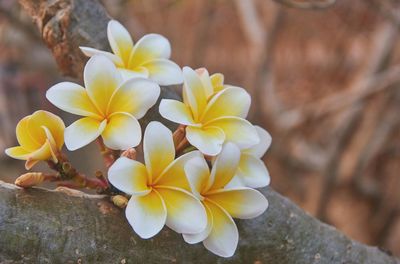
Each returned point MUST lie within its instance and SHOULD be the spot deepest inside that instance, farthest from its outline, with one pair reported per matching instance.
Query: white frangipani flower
(148, 58)
(211, 121)
(110, 106)
(221, 234)
(159, 187)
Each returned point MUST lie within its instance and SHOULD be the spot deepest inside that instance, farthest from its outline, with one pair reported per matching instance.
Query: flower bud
(29, 179)
(129, 153)
(179, 135)
(120, 201)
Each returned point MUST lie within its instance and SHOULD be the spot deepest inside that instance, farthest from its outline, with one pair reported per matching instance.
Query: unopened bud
(129, 153)
(120, 201)
(178, 135)
(29, 179)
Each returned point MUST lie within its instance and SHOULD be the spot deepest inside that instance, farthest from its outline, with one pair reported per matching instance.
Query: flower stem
(68, 176)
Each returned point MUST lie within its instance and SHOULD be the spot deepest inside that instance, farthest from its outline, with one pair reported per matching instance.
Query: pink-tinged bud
(29, 179)
(120, 201)
(179, 135)
(129, 153)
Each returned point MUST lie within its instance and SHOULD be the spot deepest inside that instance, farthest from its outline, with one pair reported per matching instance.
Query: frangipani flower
(211, 121)
(109, 105)
(41, 136)
(252, 171)
(158, 188)
(148, 58)
(221, 234)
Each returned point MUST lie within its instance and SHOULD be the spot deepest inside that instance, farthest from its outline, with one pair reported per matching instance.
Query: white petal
(236, 182)
(164, 72)
(208, 140)
(82, 132)
(176, 111)
(197, 173)
(253, 172)
(196, 238)
(223, 238)
(259, 149)
(237, 130)
(135, 96)
(158, 148)
(194, 92)
(101, 80)
(129, 176)
(72, 98)
(243, 203)
(185, 213)
(91, 52)
(120, 40)
(127, 74)
(149, 47)
(146, 214)
(122, 132)
(224, 167)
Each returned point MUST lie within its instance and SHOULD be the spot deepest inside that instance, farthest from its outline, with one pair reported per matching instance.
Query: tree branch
(307, 4)
(90, 229)
(38, 225)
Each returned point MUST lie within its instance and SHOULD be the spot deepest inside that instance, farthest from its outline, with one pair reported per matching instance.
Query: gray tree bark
(42, 226)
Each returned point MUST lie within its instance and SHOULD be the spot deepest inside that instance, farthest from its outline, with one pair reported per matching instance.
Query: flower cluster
(194, 180)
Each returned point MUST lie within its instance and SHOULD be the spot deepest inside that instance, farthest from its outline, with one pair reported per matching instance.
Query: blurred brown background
(325, 84)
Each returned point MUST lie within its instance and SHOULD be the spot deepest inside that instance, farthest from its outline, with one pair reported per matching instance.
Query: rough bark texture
(40, 226)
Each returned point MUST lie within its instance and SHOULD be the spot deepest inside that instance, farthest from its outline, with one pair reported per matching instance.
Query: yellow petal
(24, 138)
(232, 101)
(224, 167)
(185, 213)
(208, 140)
(217, 80)
(176, 111)
(146, 214)
(174, 174)
(206, 81)
(194, 92)
(237, 130)
(82, 132)
(122, 132)
(149, 47)
(158, 148)
(135, 96)
(53, 123)
(129, 176)
(101, 80)
(224, 236)
(243, 203)
(120, 40)
(73, 99)
(18, 153)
